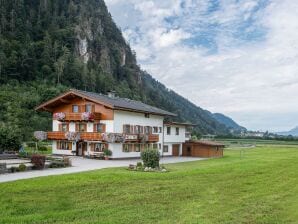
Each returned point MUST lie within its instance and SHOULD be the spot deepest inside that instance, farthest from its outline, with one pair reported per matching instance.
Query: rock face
(75, 43)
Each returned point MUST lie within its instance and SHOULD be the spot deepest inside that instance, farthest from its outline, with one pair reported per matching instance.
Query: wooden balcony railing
(56, 135)
(59, 135)
(78, 116)
(153, 138)
(95, 136)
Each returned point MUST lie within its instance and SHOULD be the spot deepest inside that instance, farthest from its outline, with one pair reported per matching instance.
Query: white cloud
(253, 80)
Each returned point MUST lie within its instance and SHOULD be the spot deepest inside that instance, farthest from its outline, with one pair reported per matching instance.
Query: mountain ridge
(48, 46)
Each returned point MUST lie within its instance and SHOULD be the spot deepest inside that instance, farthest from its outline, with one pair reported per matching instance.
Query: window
(154, 146)
(81, 127)
(165, 148)
(126, 129)
(88, 108)
(159, 146)
(75, 108)
(147, 115)
(99, 127)
(137, 147)
(160, 129)
(97, 147)
(128, 148)
(63, 145)
(177, 131)
(168, 130)
(148, 129)
(155, 129)
(63, 127)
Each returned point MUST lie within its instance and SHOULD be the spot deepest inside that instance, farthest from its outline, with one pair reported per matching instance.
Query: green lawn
(261, 187)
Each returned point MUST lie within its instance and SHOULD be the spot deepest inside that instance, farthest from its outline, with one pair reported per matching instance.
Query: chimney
(111, 93)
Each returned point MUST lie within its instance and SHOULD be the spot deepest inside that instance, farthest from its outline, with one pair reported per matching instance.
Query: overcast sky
(237, 57)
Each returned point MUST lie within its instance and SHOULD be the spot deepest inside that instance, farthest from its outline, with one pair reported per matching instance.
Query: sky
(237, 57)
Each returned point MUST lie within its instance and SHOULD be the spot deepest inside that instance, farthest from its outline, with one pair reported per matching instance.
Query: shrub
(139, 164)
(10, 140)
(42, 148)
(38, 161)
(107, 152)
(150, 158)
(13, 169)
(22, 167)
(31, 144)
(57, 164)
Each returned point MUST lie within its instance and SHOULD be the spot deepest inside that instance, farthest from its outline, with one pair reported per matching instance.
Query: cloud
(235, 57)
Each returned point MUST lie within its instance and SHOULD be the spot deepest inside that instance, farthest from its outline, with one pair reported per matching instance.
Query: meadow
(252, 185)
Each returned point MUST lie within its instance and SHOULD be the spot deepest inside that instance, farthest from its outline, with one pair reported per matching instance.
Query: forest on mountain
(48, 46)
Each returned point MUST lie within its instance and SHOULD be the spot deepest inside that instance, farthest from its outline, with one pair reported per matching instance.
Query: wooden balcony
(91, 136)
(56, 135)
(88, 136)
(153, 138)
(78, 116)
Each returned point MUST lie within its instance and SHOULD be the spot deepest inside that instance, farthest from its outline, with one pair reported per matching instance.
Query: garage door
(175, 150)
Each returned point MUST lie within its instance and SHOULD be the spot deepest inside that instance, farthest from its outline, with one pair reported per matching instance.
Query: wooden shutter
(59, 127)
(93, 108)
(103, 127)
(94, 128)
(77, 127)
(142, 130)
(150, 130)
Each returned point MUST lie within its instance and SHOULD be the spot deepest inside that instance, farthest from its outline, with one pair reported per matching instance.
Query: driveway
(80, 164)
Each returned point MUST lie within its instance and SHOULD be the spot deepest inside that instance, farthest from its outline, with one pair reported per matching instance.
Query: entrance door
(175, 149)
(81, 148)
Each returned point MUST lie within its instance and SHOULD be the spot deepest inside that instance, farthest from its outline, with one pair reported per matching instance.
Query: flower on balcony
(60, 116)
(113, 137)
(40, 135)
(72, 136)
(87, 116)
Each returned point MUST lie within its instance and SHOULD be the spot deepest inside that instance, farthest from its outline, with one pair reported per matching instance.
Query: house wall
(172, 138)
(125, 117)
(198, 150)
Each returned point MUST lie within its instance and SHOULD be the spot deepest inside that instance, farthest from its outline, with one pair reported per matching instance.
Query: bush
(107, 152)
(22, 167)
(139, 164)
(31, 144)
(13, 169)
(42, 148)
(57, 164)
(9, 139)
(150, 158)
(38, 161)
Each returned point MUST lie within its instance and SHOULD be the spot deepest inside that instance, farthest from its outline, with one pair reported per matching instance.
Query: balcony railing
(78, 116)
(95, 136)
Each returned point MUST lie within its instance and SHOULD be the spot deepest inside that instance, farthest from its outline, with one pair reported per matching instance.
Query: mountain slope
(59, 44)
(293, 132)
(228, 122)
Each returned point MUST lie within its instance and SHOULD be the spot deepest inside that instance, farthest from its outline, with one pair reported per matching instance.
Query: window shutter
(150, 130)
(131, 129)
(59, 127)
(94, 128)
(142, 130)
(77, 127)
(93, 108)
(103, 127)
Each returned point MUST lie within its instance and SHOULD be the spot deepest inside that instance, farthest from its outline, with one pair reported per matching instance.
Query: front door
(81, 148)
(175, 149)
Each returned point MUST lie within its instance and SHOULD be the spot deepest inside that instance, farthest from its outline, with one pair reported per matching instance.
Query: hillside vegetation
(48, 46)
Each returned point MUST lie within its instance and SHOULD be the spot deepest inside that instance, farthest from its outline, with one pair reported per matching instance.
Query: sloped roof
(205, 142)
(114, 102)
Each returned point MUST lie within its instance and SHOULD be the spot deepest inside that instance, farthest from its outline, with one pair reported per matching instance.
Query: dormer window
(75, 108)
(147, 115)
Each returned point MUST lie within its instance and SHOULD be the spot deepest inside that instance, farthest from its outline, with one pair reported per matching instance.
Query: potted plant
(107, 153)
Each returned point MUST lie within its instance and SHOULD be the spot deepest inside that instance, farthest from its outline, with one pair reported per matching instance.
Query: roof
(112, 102)
(179, 123)
(205, 142)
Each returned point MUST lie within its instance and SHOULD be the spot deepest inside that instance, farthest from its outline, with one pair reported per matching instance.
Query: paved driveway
(82, 164)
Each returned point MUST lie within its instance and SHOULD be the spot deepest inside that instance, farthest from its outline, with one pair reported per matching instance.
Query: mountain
(48, 46)
(293, 132)
(228, 122)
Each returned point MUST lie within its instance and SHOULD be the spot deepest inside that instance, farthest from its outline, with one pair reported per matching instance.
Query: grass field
(260, 187)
